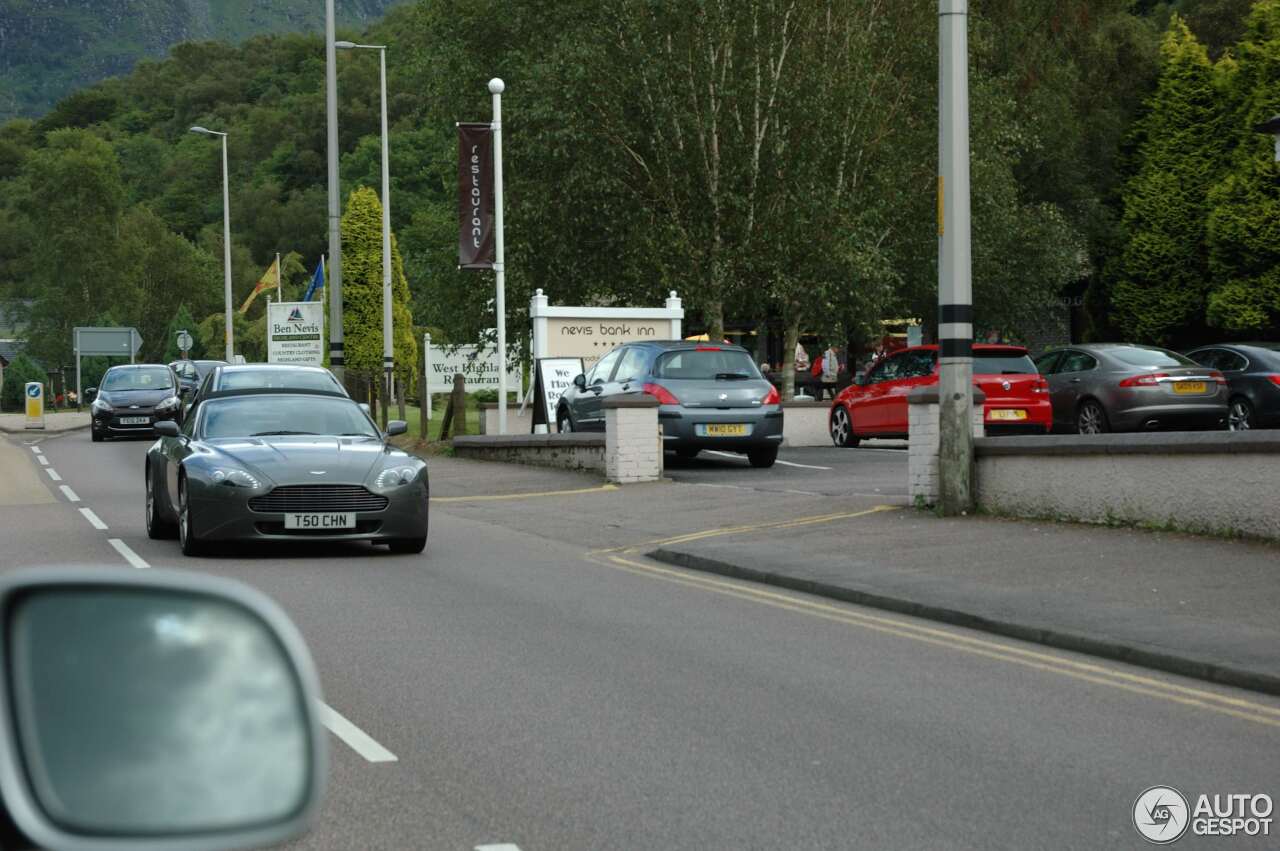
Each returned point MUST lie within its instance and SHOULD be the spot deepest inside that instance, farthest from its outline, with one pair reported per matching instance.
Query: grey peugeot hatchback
(710, 396)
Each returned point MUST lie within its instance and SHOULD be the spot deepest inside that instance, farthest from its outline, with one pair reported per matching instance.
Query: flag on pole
(270, 280)
(317, 281)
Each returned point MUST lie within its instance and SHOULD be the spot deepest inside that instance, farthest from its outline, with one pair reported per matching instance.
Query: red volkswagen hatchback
(875, 405)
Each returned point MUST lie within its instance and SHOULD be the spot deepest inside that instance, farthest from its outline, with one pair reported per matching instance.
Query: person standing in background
(802, 358)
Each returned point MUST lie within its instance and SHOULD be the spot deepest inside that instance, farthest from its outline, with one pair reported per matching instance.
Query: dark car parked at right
(1252, 371)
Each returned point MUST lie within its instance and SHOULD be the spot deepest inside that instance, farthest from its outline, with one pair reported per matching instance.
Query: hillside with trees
(51, 48)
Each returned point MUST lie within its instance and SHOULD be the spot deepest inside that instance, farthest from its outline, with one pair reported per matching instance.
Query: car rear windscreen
(1002, 363)
(286, 379)
(705, 364)
(1145, 356)
(138, 378)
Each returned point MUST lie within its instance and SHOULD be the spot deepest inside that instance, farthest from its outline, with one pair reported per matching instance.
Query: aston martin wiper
(282, 431)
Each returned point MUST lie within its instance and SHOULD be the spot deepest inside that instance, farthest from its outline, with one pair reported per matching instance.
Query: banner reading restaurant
(475, 196)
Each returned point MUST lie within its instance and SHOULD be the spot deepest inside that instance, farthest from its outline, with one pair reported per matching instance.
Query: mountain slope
(49, 48)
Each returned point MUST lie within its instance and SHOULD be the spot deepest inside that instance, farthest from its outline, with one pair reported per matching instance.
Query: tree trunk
(790, 336)
(714, 314)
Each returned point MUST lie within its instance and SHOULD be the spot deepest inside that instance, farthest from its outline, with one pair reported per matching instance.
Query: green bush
(16, 376)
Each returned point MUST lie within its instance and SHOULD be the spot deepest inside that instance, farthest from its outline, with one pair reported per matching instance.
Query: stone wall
(1208, 482)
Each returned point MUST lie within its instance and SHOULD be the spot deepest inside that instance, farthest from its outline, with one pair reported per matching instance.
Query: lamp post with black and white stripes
(955, 283)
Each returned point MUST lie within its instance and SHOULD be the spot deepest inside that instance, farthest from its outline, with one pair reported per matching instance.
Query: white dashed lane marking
(53, 474)
(44, 462)
(93, 519)
(129, 555)
(69, 494)
(358, 740)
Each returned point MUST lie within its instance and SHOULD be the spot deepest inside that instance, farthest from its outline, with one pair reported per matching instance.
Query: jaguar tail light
(1275, 379)
(1217, 376)
(662, 394)
(1146, 379)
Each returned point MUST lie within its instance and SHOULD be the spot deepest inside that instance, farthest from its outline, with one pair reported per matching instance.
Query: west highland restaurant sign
(475, 196)
(295, 333)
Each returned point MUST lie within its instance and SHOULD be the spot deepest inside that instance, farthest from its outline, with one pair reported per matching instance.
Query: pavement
(540, 684)
(54, 422)
(1201, 607)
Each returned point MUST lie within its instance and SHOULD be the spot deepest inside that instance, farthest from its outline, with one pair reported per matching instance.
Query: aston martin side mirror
(167, 428)
(395, 427)
(154, 709)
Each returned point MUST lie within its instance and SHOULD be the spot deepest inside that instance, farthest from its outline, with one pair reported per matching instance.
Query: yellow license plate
(1190, 387)
(1008, 414)
(726, 430)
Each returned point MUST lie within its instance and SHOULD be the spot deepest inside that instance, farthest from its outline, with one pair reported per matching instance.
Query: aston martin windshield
(256, 416)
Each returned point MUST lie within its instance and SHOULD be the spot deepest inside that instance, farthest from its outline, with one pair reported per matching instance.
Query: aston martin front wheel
(191, 545)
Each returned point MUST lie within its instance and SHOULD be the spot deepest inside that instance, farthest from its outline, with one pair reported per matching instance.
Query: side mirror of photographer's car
(154, 710)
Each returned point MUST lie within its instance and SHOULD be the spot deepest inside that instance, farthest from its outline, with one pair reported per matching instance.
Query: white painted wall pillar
(923, 438)
(633, 444)
(674, 304)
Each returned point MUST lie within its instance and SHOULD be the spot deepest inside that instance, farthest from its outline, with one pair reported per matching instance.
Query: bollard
(459, 402)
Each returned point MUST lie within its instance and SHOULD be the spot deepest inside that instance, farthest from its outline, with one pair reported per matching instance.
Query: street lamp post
(388, 350)
(496, 87)
(226, 236)
(335, 194)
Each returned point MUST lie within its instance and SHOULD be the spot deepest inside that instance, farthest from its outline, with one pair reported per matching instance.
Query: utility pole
(955, 284)
(388, 345)
(229, 335)
(496, 87)
(335, 194)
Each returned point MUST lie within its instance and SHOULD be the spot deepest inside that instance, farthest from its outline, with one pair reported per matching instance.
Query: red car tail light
(662, 394)
(772, 397)
(1147, 379)
(707, 349)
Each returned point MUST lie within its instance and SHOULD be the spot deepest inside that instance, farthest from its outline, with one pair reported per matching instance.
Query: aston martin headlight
(233, 478)
(394, 477)
(100, 406)
(168, 405)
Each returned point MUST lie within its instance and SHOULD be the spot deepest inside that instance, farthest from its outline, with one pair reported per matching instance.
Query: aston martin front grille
(306, 498)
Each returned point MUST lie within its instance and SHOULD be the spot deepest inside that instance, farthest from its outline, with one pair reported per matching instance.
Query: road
(525, 682)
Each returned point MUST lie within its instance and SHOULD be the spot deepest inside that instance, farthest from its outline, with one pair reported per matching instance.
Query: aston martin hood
(304, 459)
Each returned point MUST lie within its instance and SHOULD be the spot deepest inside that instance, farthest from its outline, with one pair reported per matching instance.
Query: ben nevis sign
(295, 333)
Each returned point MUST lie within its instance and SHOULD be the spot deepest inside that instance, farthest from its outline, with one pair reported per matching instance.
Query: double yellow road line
(628, 559)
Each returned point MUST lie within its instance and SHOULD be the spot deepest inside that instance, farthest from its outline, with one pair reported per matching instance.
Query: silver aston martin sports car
(284, 466)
